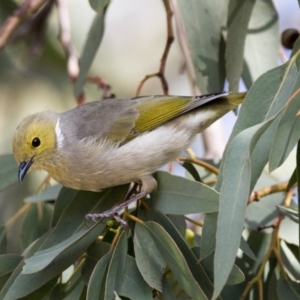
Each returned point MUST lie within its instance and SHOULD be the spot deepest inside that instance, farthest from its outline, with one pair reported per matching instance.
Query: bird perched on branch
(112, 142)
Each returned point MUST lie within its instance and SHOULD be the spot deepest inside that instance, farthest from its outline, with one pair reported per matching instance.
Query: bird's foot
(114, 211)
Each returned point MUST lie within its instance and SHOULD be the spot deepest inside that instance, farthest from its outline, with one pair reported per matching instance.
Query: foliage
(157, 257)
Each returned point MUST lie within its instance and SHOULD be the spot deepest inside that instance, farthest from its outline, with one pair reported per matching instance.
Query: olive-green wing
(124, 119)
(159, 109)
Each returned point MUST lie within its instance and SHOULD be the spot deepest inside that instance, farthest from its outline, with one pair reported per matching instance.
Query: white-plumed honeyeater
(113, 142)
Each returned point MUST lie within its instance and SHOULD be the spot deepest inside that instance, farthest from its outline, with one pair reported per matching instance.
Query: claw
(114, 211)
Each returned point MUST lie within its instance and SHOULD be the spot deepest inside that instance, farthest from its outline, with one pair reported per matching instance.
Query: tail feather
(237, 98)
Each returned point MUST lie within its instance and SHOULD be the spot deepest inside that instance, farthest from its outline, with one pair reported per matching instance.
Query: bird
(111, 142)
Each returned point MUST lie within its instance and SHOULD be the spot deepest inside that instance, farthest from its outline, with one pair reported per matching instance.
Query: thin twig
(197, 223)
(272, 189)
(170, 39)
(273, 250)
(201, 163)
(11, 23)
(100, 82)
(65, 39)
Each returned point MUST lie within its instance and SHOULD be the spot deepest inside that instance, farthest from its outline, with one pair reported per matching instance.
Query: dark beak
(23, 168)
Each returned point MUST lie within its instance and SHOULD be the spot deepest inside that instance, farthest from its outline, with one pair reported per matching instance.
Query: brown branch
(273, 250)
(101, 83)
(65, 39)
(201, 163)
(276, 188)
(11, 23)
(170, 39)
(72, 55)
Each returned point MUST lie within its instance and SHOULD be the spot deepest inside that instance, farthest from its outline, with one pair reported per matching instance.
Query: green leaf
(290, 212)
(41, 259)
(175, 260)
(67, 241)
(290, 262)
(194, 264)
(234, 194)
(8, 263)
(202, 24)
(36, 222)
(263, 212)
(287, 289)
(29, 251)
(65, 197)
(179, 223)
(50, 193)
(8, 171)
(239, 13)
(246, 249)
(148, 258)
(298, 188)
(116, 267)
(208, 239)
(49, 263)
(117, 272)
(3, 240)
(80, 203)
(178, 195)
(240, 173)
(99, 5)
(265, 99)
(133, 285)
(262, 43)
(192, 170)
(95, 287)
(288, 132)
(236, 276)
(90, 49)
(293, 179)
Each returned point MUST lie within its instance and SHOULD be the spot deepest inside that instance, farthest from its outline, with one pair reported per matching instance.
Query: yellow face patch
(33, 136)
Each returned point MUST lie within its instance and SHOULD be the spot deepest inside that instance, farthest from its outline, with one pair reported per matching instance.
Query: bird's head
(34, 139)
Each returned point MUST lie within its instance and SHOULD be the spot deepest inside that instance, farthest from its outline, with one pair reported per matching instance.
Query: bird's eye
(36, 142)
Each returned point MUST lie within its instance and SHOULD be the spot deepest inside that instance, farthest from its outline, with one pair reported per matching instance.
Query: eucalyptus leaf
(175, 260)
(133, 285)
(116, 268)
(98, 5)
(36, 222)
(194, 264)
(298, 187)
(208, 240)
(290, 213)
(148, 258)
(48, 263)
(240, 173)
(287, 289)
(90, 49)
(178, 195)
(50, 193)
(95, 287)
(3, 240)
(262, 43)
(202, 24)
(8, 263)
(239, 13)
(288, 132)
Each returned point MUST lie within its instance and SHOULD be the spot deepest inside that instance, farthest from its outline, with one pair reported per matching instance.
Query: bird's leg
(148, 185)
